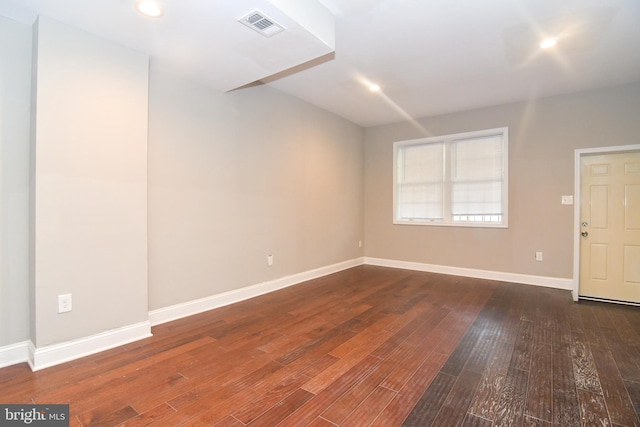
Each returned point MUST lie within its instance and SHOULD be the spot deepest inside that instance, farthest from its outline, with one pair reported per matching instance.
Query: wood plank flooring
(369, 346)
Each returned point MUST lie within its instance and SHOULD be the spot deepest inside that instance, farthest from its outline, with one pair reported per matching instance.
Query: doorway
(607, 231)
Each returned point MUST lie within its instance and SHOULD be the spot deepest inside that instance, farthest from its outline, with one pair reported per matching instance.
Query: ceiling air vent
(262, 24)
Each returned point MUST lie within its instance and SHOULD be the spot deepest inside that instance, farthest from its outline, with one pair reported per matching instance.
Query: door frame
(579, 153)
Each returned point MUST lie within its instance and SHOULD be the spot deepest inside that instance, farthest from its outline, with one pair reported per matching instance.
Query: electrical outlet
(64, 303)
(538, 256)
(359, 243)
(269, 260)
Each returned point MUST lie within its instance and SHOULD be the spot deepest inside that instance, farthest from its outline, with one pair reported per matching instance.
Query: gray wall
(15, 100)
(89, 175)
(236, 176)
(543, 135)
(232, 177)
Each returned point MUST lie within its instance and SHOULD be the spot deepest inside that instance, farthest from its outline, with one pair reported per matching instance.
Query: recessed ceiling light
(149, 8)
(374, 87)
(547, 43)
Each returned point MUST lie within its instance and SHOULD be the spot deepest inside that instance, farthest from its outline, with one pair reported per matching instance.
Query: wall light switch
(567, 200)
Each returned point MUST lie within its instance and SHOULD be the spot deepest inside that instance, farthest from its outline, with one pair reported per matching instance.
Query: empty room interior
(321, 212)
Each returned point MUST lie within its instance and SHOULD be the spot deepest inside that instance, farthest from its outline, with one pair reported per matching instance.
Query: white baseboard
(14, 354)
(190, 308)
(549, 282)
(44, 357)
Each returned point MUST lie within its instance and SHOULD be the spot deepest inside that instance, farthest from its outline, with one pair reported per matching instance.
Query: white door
(610, 227)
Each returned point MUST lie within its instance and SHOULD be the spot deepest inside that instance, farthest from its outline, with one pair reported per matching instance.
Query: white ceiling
(429, 56)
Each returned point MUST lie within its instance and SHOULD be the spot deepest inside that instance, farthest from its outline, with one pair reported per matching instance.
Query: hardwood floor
(367, 346)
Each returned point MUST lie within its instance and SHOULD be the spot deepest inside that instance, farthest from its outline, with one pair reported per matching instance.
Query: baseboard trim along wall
(549, 282)
(189, 308)
(14, 353)
(44, 357)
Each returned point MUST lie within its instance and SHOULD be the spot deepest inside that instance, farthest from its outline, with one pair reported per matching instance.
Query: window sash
(420, 181)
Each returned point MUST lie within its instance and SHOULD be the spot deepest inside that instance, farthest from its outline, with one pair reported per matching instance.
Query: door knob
(584, 233)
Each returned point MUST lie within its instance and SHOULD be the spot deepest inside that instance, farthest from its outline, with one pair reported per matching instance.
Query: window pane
(477, 172)
(477, 159)
(420, 182)
(477, 198)
(421, 163)
(420, 201)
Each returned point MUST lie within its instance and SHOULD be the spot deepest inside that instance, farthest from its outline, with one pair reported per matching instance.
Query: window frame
(447, 206)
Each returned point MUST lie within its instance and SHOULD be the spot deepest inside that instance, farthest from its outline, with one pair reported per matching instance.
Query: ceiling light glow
(548, 43)
(149, 8)
(374, 87)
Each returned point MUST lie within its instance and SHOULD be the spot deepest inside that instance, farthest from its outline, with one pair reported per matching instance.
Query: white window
(456, 180)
